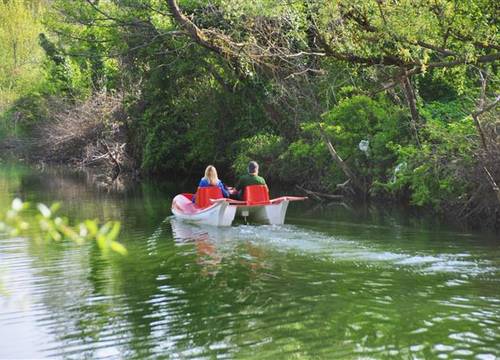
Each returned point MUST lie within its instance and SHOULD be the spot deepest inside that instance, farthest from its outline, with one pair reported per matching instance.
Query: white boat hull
(273, 214)
(219, 214)
(222, 212)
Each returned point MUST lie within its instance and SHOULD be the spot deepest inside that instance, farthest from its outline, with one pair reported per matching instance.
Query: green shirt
(248, 179)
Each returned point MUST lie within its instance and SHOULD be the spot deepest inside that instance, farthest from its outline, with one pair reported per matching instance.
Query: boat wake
(291, 238)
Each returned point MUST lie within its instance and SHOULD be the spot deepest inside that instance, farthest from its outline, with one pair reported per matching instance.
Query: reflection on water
(330, 284)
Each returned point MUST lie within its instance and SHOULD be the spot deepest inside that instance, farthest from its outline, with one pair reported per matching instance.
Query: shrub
(435, 173)
(353, 120)
(265, 148)
(308, 162)
(376, 121)
(24, 113)
(448, 111)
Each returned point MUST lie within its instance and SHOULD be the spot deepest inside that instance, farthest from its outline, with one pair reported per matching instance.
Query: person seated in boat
(252, 178)
(211, 179)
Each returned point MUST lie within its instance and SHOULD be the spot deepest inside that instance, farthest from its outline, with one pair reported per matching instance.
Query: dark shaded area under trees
(365, 99)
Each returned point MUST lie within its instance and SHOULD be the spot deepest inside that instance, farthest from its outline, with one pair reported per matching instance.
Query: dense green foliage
(392, 85)
(21, 56)
(434, 171)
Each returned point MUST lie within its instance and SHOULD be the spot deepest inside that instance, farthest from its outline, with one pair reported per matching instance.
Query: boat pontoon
(210, 207)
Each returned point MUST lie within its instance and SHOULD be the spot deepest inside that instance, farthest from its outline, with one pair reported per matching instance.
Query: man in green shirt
(252, 178)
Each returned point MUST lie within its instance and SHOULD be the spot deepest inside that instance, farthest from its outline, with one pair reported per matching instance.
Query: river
(334, 282)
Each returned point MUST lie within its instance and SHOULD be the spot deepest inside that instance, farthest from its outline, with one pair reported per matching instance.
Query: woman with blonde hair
(211, 179)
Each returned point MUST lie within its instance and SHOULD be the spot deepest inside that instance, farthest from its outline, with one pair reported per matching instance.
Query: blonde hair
(211, 175)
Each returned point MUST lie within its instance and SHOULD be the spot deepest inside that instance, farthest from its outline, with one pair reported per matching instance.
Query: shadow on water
(333, 282)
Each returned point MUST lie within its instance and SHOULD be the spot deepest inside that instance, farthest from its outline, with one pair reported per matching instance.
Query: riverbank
(99, 178)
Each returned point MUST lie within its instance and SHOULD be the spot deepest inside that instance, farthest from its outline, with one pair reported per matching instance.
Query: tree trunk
(479, 128)
(482, 108)
(336, 157)
(494, 185)
(412, 104)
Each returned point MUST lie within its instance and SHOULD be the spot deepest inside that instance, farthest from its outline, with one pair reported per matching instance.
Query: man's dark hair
(252, 167)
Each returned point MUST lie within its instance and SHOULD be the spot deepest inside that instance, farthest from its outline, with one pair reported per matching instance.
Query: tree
(21, 54)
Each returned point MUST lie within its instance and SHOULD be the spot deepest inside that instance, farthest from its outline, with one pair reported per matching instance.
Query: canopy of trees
(379, 98)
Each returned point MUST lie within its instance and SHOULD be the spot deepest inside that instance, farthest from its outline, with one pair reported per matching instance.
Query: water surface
(333, 282)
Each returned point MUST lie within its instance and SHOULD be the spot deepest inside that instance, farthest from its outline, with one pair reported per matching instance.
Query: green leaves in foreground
(46, 226)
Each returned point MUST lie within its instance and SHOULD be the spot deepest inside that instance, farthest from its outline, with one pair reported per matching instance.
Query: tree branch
(196, 33)
(336, 157)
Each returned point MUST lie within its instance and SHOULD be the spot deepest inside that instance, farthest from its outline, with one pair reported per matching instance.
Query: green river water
(332, 283)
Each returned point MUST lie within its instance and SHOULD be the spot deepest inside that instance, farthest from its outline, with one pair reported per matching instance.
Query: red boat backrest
(204, 194)
(256, 194)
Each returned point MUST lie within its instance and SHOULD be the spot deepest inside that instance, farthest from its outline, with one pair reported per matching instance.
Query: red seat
(256, 194)
(204, 194)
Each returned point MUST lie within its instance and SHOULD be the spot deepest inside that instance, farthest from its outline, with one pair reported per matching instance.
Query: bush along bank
(447, 172)
(442, 172)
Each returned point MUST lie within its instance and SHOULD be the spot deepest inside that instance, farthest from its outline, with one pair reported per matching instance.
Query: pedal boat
(211, 208)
